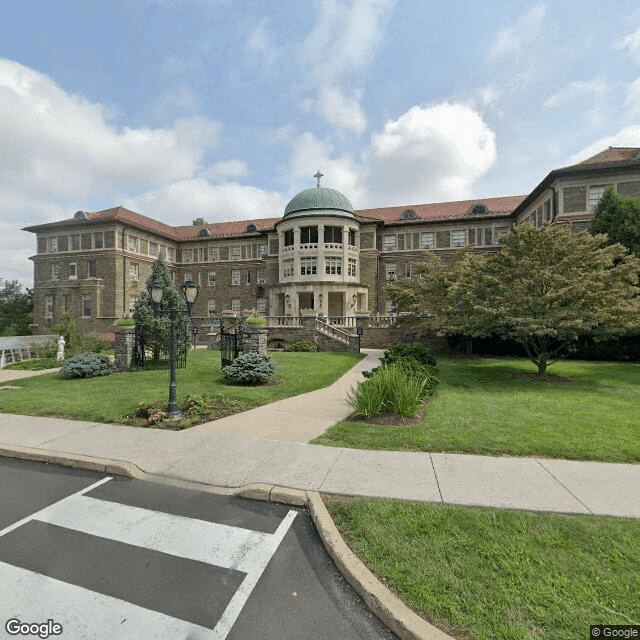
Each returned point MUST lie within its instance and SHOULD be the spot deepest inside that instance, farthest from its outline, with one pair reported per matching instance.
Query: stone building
(321, 257)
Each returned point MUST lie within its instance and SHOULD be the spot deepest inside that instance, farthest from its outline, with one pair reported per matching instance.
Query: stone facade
(321, 255)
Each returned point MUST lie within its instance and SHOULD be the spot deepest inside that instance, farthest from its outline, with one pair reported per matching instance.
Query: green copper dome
(319, 201)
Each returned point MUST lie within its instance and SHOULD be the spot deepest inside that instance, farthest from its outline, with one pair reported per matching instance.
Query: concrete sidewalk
(267, 445)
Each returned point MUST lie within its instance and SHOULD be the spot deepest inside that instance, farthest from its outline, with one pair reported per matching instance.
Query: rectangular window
(236, 253)
(52, 244)
(263, 250)
(134, 272)
(261, 276)
(287, 268)
(55, 271)
(352, 237)
(74, 242)
(171, 254)
(98, 240)
(547, 211)
(211, 279)
(458, 238)
(187, 255)
(214, 254)
(333, 266)
(288, 238)
(235, 276)
(48, 307)
(487, 238)
(188, 277)
(408, 240)
(211, 307)
(308, 235)
(389, 243)
(73, 271)
(595, 195)
(308, 266)
(92, 270)
(261, 305)
(248, 274)
(408, 272)
(86, 307)
(333, 235)
(235, 305)
(133, 244)
(392, 270)
(353, 267)
(427, 240)
(66, 302)
(153, 248)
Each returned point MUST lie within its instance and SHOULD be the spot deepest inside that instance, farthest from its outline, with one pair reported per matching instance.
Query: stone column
(254, 339)
(124, 345)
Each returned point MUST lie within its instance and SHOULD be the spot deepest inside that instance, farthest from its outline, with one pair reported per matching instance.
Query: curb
(385, 605)
(406, 624)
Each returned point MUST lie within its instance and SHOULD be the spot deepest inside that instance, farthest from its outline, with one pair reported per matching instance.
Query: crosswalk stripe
(35, 515)
(85, 614)
(210, 542)
(241, 596)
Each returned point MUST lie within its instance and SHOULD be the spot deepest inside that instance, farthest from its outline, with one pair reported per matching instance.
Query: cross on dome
(318, 176)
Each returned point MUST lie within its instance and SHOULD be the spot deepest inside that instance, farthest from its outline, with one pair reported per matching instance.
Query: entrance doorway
(336, 303)
(305, 300)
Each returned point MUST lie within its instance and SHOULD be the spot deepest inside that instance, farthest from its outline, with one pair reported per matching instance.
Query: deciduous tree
(16, 306)
(619, 219)
(544, 289)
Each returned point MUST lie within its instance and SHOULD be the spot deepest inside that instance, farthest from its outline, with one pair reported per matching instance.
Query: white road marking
(210, 542)
(236, 604)
(31, 597)
(35, 515)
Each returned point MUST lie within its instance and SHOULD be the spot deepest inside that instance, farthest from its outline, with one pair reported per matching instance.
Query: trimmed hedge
(304, 344)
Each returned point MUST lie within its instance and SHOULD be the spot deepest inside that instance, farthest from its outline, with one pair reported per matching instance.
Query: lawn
(487, 573)
(488, 406)
(109, 398)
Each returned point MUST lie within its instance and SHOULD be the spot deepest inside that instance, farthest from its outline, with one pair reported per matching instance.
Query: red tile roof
(443, 210)
(224, 229)
(612, 154)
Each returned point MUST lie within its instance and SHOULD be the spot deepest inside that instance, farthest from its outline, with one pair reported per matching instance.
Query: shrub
(304, 344)
(250, 368)
(415, 350)
(258, 321)
(394, 388)
(88, 365)
(125, 322)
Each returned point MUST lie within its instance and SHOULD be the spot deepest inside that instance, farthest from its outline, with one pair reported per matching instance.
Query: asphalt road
(118, 558)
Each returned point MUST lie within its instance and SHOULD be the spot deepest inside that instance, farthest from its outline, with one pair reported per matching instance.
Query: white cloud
(633, 98)
(511, 40)
(182, 201)
(429, 154)
(222, 171)
(627, 137)
(343, 41)
(631, 43)
(576, 90)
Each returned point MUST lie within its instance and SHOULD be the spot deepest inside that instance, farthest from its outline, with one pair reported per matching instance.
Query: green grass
(489, 574)
(107, 399)
(484, 406)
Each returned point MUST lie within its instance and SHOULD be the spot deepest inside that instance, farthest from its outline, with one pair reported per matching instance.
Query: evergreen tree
(619, 218)
(544, 289)
(155, 330)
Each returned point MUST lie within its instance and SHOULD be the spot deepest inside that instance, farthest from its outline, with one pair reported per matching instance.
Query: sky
(225, 109)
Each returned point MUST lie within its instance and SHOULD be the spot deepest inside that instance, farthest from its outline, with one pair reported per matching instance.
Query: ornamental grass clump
(88, 365)
(250, 368)
(391, 389)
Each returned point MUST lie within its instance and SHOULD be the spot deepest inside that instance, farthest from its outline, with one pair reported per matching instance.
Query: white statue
(61, 344)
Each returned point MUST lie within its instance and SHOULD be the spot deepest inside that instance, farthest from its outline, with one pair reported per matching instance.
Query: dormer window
(204, 233)
(251, 228)
(480, 210)
(409, 214)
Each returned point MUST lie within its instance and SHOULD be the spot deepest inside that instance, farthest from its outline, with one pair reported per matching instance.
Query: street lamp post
(190, 293)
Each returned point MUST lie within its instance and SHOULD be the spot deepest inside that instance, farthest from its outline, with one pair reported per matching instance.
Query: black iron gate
(230, 343)
(146, 357)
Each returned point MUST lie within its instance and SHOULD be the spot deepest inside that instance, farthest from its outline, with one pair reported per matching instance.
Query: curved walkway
(267, 445)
